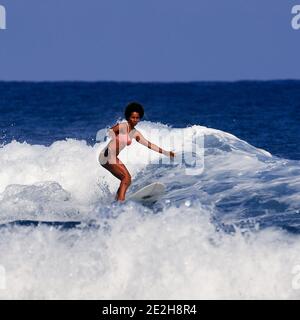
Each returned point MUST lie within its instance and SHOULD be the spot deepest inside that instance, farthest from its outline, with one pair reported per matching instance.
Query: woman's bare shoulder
(120, 126)
(137, 135)
(135, 132)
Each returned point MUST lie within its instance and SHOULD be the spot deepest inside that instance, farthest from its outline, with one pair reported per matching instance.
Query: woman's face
(134, 118)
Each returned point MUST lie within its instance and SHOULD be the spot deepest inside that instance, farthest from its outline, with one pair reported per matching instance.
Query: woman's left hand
(171, 154)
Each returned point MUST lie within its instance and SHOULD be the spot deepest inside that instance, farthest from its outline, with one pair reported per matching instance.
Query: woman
(122, 134)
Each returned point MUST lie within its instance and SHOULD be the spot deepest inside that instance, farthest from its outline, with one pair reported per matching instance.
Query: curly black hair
(134, 107)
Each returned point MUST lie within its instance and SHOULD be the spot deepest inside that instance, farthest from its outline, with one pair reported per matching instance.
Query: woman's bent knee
(127, 180)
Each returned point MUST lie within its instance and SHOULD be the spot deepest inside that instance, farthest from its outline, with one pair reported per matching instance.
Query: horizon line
(152, 82)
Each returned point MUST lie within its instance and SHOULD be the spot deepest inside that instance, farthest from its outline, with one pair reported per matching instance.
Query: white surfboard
(148, 194)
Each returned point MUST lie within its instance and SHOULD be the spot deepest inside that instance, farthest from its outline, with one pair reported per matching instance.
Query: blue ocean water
(241, 213)
(265, 114)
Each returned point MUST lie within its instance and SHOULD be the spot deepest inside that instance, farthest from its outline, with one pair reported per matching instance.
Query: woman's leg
(120, 171)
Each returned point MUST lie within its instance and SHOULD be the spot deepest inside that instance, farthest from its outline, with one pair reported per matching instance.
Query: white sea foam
(171, 251)
(171, 255)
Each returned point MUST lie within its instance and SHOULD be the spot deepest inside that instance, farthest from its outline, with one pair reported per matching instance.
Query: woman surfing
(122, 135)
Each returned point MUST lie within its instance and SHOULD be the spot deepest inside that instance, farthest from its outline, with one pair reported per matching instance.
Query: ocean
(228, 231)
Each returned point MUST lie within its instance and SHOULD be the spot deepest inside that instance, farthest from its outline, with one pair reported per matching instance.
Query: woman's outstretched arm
(142, 140)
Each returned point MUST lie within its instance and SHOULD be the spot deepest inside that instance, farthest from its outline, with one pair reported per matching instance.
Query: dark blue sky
(149, 40)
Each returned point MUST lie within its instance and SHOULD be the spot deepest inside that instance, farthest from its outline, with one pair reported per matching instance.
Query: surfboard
(148, 194)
